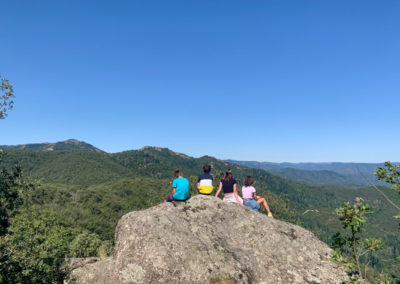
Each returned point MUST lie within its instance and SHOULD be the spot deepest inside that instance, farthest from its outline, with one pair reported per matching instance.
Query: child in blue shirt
(180, 187)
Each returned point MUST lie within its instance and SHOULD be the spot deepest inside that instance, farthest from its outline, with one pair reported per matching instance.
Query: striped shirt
(205, 181)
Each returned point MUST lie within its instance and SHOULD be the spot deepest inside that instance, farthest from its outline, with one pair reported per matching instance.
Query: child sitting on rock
(180, 187)
(228, 185)
(250, 199)
(204, 183)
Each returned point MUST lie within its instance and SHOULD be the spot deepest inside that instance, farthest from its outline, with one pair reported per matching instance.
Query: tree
(390, 174)
(6, 96)
(33, 244)
(34, 248)
(353, 219)
(85, 245)
(10, 197)
(6, 102)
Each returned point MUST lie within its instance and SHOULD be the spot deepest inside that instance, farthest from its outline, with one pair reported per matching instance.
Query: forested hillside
(83, 167)
(71, 144)
(90, 190)
(358, 174)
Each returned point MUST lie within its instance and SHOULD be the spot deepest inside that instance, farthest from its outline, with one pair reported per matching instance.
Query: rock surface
(206, 240)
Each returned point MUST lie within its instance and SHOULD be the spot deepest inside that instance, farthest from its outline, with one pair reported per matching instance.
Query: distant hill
(160, 162)
(320, 173)
(71, 144)
(316, 177)
(79, 167)
(86, 167)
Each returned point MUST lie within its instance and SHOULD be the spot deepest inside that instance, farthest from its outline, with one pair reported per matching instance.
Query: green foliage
(10, 198)
(6, 95)
(98, 208)
(281, 207)
(353, 216)
(106, 249)
(36, 244)
(85, 245)
(390, 174)
(353, 220)
(80, 167)
(384, 279)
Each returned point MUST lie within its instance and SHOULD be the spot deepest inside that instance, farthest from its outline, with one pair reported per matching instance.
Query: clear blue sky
(263, 80)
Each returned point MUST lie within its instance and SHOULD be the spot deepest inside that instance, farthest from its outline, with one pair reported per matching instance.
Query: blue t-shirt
(182, 188)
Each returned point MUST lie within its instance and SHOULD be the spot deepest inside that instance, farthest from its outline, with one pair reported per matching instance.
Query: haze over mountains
(320, 173)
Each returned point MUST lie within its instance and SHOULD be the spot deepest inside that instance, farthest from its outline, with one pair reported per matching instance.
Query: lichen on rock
(206, 240)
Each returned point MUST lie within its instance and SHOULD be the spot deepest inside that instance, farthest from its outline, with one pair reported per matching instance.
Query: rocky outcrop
(206, 240)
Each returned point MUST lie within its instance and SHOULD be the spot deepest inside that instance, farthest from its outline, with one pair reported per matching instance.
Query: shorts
(252, 204)
(171, 198)
(231, 198)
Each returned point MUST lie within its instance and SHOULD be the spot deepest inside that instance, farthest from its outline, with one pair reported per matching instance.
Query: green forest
(71, 199)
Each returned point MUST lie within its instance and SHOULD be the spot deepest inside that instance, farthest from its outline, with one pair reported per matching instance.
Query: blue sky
(264, 80)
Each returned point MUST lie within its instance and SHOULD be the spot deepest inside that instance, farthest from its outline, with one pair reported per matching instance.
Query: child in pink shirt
(250, 199)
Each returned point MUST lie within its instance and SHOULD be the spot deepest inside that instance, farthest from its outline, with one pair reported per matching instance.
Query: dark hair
(228, 175)
(177, 173)
(207, 168)
(248, 181)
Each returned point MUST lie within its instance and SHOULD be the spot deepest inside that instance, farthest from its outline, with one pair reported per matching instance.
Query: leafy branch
(6, 96)
(391, 174)
(350, 247)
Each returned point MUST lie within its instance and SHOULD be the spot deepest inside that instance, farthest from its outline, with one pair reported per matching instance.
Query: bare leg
(263, 202)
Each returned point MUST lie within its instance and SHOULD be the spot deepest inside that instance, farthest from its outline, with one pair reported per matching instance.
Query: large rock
(206, 240)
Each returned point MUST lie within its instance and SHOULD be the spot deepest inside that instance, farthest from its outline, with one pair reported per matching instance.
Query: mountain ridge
(75, 144)
(327, 173)
(338, 173)
(69, 144)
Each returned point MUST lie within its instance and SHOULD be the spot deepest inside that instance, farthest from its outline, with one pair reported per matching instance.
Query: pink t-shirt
(247, 192)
